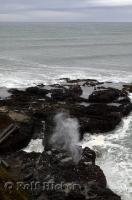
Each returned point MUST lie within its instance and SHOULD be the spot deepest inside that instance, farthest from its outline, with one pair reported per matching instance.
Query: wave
(73, 45)
(114, 156)
(16, 72)
(51, 74)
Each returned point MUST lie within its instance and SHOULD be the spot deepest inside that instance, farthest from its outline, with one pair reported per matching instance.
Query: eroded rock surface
(98, 107)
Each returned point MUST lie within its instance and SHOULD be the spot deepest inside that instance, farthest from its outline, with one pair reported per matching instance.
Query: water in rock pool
(32, 53)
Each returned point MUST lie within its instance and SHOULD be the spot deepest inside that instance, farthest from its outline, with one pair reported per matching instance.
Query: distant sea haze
(43, 52)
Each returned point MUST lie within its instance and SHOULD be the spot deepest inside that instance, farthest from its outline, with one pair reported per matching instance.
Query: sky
(66, 10)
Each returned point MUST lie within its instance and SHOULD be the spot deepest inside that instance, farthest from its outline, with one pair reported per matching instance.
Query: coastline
(98, 108)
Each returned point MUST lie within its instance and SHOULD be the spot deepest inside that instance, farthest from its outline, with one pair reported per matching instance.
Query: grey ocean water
(32, 53)
(41, 52)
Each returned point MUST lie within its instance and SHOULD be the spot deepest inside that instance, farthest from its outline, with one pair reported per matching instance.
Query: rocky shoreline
(95, 107)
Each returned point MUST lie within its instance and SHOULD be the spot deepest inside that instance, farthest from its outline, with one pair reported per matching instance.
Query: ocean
(43, 52)
(32, 53)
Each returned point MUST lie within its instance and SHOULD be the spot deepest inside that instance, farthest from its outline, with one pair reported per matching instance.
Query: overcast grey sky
(65, 10)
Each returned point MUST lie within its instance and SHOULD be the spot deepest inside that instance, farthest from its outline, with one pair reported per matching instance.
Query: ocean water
(114, 156)
(43, 52)
(32, 53)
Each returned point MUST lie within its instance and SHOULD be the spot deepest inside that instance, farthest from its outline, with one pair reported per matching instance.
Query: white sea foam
(43, 53)
(51, 74)
(116, 156)
(35, 145)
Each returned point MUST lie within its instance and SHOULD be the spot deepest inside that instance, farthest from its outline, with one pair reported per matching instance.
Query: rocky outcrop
(72, 93)
(18, 139)
(6, 183)
(128, 87)
(11, 138)
(99, 112)
(106, 95)
(57, 177)
(98, 109)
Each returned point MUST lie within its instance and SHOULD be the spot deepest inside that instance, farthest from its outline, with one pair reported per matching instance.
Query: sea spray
(36, 145)
(116, 158)
(66, 135)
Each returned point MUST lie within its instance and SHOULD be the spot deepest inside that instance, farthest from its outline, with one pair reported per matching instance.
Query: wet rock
(92, 83)
(6, 191)
(29, 108)
(29, 176)
(18, 140)
(20, 136)
(46, 168)
(106, 96)
(37, 91)
(75, 91)
(128, 87)
(99, 124)
(98, 193)
(88, 155)
(75, 196)
(59, 95)
(61, 180)
(19, 117)
(5, 121)
(98, 118)
(67, 94)
(91, 195)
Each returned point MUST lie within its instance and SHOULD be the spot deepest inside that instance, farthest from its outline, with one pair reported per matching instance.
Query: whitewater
(33, 53)
(114, 152)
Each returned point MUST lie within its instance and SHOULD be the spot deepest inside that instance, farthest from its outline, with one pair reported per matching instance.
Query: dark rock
(98, 118)
(88, 155)
(75, 196)
(99, 193)
(59, 95)
(5, 121)
(37, 91)
(128, 87)
(75, 91)
(92, 83)
(88, 82)
(79, 180)
(64, 94)
(28, 176)
(77, 175)
(30, 108)
(106, 96)
(19, 138)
